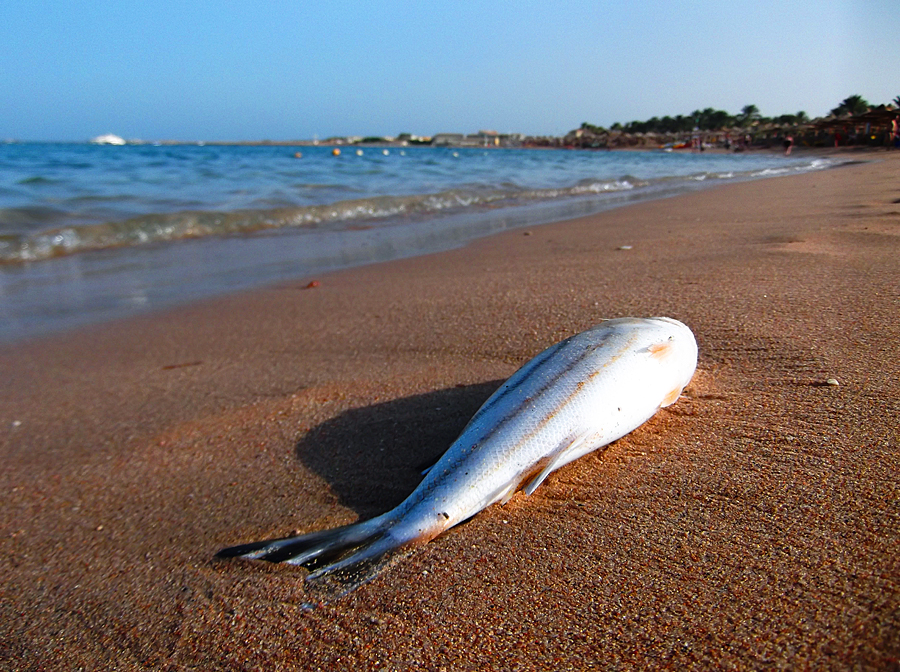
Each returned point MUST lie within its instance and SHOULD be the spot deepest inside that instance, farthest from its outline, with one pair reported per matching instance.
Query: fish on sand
(574, 397)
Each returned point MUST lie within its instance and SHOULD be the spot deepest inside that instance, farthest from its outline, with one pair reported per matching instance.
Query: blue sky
(177, 69)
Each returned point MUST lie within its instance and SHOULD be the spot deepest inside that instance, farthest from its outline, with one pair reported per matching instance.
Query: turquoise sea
(90, 233)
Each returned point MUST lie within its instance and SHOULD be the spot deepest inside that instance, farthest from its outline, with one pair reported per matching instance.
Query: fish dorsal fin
(555, 460)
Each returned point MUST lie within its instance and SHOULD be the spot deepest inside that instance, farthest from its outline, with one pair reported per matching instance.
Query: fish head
(675, 346)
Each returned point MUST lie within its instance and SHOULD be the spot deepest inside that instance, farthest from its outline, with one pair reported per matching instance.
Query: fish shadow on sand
(373, 457)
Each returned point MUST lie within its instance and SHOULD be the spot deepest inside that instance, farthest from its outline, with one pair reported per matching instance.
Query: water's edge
(57, 295)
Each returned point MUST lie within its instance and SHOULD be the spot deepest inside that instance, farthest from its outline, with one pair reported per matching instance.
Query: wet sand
(754, 524)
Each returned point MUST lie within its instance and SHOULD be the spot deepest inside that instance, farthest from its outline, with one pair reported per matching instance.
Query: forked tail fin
(322, 551)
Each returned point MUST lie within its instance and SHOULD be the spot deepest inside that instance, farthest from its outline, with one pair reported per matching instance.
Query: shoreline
(87, 286)
(752, 524)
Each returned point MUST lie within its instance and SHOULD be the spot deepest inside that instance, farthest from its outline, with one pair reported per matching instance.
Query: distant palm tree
(851, 105)
(749, 113)
(695, 115)
(896, 101)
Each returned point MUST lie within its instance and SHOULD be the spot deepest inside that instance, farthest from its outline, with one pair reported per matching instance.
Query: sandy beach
(754, 524)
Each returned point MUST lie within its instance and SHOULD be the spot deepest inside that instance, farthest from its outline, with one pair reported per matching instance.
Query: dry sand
(754, 524)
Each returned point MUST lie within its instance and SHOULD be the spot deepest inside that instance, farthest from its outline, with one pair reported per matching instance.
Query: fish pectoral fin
(671, 397)
(553, 461)
(507, 494)
(660, 350)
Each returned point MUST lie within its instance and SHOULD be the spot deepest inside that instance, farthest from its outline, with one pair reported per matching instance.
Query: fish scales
(571, 399)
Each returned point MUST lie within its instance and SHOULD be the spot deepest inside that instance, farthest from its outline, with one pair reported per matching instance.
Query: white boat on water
(108, 139)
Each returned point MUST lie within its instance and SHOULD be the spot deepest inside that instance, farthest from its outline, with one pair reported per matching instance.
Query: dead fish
(573, 398)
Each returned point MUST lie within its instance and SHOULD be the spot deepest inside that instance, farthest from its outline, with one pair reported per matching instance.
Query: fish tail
(363, 555)
(364, 559)
(317, 548)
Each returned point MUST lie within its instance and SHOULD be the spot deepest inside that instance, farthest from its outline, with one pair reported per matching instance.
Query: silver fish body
(571, 399)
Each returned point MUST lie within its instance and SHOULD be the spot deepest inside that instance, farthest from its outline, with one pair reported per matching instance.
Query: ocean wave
(771, 172)
(18, 247)
(169, 227)
(13, 218)
(37, 180)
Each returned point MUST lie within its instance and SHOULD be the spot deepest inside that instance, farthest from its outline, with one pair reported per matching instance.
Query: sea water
(90, 233)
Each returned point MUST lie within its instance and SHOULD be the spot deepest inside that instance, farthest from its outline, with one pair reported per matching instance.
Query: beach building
(873, 128)
(481, 139)
(448, 139)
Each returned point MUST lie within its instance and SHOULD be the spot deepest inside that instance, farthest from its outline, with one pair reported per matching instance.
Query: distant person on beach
(895, 132)
(788, 144)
